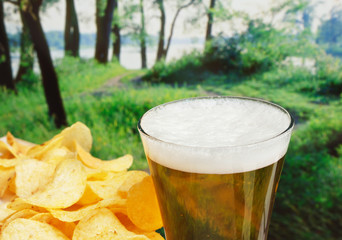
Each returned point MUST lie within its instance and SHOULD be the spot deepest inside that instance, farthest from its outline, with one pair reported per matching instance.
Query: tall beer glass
(216, 164)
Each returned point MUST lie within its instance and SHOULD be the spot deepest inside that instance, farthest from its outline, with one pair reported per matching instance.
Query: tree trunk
(6, 78)
(142, 36)
(30, 12)
(210, 16)
(26, 52)
(71, 31)
(104, 17)
(116, 32)
(160, 51)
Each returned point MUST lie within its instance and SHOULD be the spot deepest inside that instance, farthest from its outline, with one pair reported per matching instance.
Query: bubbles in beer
(231, 126)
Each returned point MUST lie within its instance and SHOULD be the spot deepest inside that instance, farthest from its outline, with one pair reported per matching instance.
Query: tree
(162, 49)
(26, 52)
(116, 32)
(6, 78)
(142, 36)
(104, 17)
(71, 31)
(210, 15)
(30, 12)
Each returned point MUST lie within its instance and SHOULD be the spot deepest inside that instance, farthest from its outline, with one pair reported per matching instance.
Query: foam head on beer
(216, 135)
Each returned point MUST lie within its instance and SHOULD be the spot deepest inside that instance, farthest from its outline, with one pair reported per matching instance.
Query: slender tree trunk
(104, 17)
(6, 78)
(116, 32)
(71, 31)
(26, 52)
(143, 36)
(210, 16)
(160, 51)
(30, 12)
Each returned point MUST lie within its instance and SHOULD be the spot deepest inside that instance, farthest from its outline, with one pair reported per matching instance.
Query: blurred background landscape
(106, 62)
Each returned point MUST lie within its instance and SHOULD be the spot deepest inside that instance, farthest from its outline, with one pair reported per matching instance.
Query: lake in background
(130, 55)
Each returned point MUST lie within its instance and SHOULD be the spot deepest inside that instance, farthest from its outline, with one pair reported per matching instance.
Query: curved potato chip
(132, 177)
(97, 222)
(6, 174)
(4, 211)
(21, 228)
(154, 236)
(66, 188)
(20, 148)
(39, 151)
(88, 197)
(107, 188)
(8, 163)
(6, 150)
(76, 215)
(31, 176)
(142, 206)
(115, 165)
(25, 213)
(65, 227)
(77, 132)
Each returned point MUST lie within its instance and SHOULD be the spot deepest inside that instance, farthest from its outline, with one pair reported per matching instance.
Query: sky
(53, 19)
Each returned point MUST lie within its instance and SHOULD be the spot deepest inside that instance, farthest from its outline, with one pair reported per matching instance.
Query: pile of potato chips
(58, 190)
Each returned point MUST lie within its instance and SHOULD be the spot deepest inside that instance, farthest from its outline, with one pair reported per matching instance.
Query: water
(130, 55)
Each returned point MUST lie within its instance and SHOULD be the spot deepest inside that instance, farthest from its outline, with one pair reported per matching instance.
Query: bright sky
(53, 19)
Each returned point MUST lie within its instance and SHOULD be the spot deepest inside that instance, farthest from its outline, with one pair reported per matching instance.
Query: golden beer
(218, 188)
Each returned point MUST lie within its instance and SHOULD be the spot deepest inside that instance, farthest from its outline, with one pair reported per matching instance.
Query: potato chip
(25, 213)
(19, 204)
(19, 147)
(88, 197)
(31, 176)
(21, 228)
(107, 188)
(4, 211)
(66, 188)
(78, 132)
(67, 228)
(97, 222)
(154, 236)
(6, 174)
(142, 206)
(132, 177)
(39, 151)
(78, 214)
(6, 151)
(8, 163)
(115, 165)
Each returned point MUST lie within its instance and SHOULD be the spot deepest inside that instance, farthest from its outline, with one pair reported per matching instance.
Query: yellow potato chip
(21, 229)
(6, 151)
(31, 176)
(39, 151)
(107, 188)
(25, 213)
(65, 189)
(8, 163)
(142, 206)
(6, 174)
(4, 211)
(97, 222)
(67, 228)
(19, 147)
(18, 204)
(115, 165)
(56, 155)
(132, 177)
(88, 197)
(154, 236)
(78, 132)
(76, 215)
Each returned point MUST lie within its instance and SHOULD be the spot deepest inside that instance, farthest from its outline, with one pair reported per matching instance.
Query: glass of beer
(216, 164)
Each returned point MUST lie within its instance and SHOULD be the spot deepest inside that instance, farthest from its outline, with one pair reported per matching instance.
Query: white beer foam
(216, 135)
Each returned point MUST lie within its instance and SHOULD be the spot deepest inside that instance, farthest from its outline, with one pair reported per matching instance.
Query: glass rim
(287, 130)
